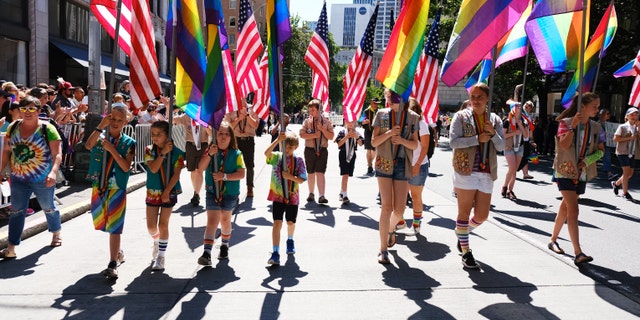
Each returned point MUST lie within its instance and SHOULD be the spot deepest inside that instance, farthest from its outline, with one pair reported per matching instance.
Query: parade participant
(529, 146)
(472, 130)
(33, 150)
(395, 135)
(109, 187)
(197, 138)
(223, 189)
(284, 205)
(627, 145)
(516, 134)
(367, 116)
(419, 166)
(162, 195)
(574, 165)
(348, 140)
(274, 130)
(316, 131)
(244, 123)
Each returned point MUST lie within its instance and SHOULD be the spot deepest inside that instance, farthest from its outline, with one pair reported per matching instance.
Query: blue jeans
(20, 196)
(606, 159)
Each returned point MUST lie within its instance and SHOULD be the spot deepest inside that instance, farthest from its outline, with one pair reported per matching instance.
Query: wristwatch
(224, 177)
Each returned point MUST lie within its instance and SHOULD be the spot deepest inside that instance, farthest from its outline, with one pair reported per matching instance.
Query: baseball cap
(65, 85)
(376, 100)
(631, 110)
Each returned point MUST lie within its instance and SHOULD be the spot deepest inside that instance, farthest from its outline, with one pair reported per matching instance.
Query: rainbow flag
(479, 27)
(480, 74)
(215, 98)
(400, 60)
(514, 44)
(626, 70)
(555, 30)
(190, 54)
(278, 32)
(596, 49)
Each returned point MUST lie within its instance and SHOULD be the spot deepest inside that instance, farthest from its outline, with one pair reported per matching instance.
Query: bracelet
(98, 130)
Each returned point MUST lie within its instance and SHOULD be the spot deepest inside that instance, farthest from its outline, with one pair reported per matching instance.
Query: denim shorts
(519, 153)
(419, 179)
(229, 202)
(398, 171)
(625, 160)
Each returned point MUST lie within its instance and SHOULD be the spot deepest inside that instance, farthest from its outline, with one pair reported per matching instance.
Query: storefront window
(14, 60)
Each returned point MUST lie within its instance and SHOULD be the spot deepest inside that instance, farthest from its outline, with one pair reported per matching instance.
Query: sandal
(56, 241)
(582, 258)
(555, 247)
(512, 195)
(392, 240)
(504, 192)
(6, 255)
(383, 257)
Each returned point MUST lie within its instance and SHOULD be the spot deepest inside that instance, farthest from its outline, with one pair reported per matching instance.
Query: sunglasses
(29, 109)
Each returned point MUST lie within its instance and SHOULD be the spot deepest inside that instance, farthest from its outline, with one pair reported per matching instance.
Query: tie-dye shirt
(276, 193)
(31, 159)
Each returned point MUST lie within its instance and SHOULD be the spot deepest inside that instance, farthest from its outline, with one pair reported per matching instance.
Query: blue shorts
(565, 184)
(229, 202)
(419, 179)
(625, 160)
(519, 153)
(398, 171)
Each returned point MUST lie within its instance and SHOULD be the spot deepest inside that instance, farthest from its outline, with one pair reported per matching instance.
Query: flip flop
(5, 254)
(582, 258)
(555, 247)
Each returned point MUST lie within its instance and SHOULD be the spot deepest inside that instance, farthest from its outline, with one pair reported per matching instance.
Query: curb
(39, 224)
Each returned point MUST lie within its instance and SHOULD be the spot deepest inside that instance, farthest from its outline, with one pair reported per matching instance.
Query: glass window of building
(232, 4)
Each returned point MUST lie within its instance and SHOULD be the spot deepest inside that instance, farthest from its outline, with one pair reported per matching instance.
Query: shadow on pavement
(322, 214)
(288, 275)
(418, 287)
(22, 266)
(620, 281)
(619, 215)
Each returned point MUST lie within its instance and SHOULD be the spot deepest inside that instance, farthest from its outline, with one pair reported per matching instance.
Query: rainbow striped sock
(462, 231)
(225, 238)
(417, 218)
(473, 224)
(208, 245)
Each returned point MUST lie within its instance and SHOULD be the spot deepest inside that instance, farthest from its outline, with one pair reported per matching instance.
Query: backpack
(432, 142)
(43, 131)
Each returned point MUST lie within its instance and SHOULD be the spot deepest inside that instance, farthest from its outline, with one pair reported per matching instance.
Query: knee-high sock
(462, 231)
(473, 223)
(162, 246)
(208, 245)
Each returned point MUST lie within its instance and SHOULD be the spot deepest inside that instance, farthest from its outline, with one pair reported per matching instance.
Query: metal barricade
(73, 133)
(142, 135)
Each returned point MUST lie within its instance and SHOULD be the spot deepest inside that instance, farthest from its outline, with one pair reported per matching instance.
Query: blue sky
(309, 10)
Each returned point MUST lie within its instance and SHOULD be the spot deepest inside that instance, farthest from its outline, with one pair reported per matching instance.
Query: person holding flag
(316, 131)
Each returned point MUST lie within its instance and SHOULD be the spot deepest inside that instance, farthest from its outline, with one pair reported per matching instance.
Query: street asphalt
(334, 273)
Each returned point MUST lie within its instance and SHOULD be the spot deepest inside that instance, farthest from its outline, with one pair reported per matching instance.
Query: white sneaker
(158, 265)
(156, 249)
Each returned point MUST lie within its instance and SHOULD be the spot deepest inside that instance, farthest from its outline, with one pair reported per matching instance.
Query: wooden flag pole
(581, 127)
(172, 88)
(494, 55)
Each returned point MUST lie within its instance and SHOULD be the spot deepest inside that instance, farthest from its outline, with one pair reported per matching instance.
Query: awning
(81, 56)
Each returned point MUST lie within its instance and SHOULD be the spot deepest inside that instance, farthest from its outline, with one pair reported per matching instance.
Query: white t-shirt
(424, 134)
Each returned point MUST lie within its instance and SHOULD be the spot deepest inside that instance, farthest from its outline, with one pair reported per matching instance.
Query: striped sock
(473, 224)
(462, 231)
(225, 238)
(417, 217)
(163, 243)
(276, 248)
(208, 245)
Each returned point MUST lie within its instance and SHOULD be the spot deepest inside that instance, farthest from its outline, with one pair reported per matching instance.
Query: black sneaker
(469, 262)
(112, 270)
(345, 200)
(224, 252)
(195, 201)
(615, 188)
(311, 198)
(205, 259)
(627, 196)
(370, 171)
(291, 248)
(340, 197)
(323, 200)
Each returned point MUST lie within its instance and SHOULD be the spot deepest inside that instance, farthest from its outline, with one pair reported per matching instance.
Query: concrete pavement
(334, 273)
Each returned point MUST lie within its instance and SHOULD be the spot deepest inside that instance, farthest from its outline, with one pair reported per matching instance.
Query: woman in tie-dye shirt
(34, 150)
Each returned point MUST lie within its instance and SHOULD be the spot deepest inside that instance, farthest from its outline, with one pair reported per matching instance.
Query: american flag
(636, 63)
(357, 77)
(634, 97)
(261, 99)
(248, 51)
(136, 38)
(425, 82)
(317, 57)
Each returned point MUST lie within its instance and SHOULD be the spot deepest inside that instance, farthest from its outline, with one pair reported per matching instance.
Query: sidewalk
(333, 275)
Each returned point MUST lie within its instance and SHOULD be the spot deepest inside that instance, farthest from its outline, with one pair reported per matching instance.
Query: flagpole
(524, 77)
(494, 55)
(285, 189)
(112, 79)
(172, 88)
(581, 75)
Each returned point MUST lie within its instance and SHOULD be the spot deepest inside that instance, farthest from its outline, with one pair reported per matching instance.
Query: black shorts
(279, 209)
(367, 140)
(565, 184)
(346, 167)
(193, 155)
(315, 163)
